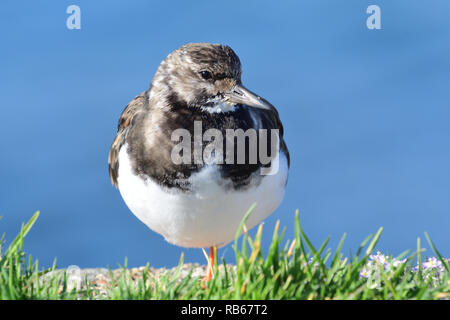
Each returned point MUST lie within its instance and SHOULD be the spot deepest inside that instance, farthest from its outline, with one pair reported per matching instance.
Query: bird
(198, 199)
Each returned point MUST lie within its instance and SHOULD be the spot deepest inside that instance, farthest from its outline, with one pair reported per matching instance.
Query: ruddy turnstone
(177, 159)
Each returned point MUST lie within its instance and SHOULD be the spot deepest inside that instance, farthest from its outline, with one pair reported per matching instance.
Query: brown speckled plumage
(177, 97)
(135, 106)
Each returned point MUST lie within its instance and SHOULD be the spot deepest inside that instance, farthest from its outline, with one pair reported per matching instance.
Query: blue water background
(366, 116)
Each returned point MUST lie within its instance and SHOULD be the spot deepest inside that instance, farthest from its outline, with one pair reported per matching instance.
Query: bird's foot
(209, 270)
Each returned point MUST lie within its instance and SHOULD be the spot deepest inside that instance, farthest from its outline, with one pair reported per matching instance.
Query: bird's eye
(205, 75)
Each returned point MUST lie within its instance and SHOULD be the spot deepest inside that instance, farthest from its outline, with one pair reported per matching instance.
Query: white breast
(208, 216)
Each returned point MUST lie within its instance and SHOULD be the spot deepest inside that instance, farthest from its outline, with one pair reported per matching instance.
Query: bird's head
(203, 75)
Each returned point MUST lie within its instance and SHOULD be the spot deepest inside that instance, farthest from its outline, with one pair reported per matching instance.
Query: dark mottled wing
(134, 107)
(272, 120)
(283, 146)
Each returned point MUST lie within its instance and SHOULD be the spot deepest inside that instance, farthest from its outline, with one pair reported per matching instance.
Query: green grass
(293, 269)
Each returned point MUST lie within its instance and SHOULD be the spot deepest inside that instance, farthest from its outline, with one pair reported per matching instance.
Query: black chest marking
(150, 149)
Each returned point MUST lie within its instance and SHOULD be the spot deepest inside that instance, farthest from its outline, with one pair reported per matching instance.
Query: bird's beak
(241, 95)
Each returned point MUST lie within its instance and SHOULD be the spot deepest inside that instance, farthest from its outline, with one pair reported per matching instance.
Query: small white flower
(365, 273)
(397, 263)
(432, 263)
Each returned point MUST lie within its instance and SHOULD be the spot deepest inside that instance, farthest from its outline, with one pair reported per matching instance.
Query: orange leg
(208, 274)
